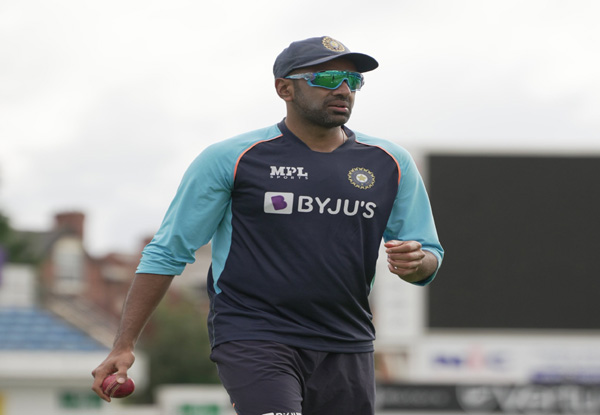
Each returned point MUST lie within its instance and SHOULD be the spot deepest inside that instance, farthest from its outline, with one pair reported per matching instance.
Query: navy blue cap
(315, 50)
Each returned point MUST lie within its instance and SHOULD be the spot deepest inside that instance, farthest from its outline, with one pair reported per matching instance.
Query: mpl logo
(281, 203)
(283, 172)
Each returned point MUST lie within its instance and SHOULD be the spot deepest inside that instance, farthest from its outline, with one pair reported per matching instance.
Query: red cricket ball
(112, 388)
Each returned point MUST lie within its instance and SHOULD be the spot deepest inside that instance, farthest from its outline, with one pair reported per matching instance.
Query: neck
(320, 139)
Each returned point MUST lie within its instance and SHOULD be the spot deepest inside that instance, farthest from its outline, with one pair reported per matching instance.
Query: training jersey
(295, 234)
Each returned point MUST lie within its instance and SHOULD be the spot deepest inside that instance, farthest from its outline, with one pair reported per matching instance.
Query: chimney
(72, 221)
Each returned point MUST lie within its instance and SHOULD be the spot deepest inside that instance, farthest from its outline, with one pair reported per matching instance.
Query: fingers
(404, 257)
(122, 375)
(402, 246)
(99, 374)
(404, 269)
(118, 364)
(404, 252)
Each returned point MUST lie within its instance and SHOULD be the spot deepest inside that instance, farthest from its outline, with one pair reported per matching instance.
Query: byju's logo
(288, 173)
(282, 203)
(279, 202)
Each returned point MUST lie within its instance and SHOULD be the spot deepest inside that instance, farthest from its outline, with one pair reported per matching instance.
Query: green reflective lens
(332, 79)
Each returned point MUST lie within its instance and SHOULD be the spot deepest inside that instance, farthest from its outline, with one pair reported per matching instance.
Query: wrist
(123, 345)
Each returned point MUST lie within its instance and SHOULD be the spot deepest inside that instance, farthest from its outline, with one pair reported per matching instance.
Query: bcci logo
(361, 178)
(333, 44)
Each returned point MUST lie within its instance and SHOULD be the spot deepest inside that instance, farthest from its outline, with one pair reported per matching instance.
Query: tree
(176, 343)
(15, 247)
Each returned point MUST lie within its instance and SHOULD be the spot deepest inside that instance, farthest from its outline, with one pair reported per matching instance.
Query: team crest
(333, 44)
(361, 178)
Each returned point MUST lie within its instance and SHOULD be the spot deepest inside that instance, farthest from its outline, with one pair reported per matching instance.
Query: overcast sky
(103, 104)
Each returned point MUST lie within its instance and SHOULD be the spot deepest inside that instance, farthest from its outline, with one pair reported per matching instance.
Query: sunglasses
(332, 79)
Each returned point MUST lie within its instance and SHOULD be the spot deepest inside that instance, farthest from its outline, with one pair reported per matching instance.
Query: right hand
(117, 362)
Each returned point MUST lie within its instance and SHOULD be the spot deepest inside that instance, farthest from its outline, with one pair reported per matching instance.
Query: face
(327, 108)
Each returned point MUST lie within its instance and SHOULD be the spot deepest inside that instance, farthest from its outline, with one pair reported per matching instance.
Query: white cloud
(104, 104)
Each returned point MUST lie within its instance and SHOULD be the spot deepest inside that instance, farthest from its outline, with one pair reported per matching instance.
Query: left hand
(407, 260)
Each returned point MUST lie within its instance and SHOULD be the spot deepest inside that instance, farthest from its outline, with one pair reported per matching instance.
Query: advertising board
(506, 359)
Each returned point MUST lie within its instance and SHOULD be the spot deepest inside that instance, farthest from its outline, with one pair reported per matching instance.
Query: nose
(344, 88)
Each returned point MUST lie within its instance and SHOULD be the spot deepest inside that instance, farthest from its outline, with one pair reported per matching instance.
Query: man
(296, 213)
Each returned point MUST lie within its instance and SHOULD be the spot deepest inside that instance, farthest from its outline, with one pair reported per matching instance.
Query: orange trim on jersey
(237, 162)
(388, 153)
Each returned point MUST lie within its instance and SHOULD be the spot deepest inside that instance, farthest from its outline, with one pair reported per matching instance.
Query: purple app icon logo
(279, 202)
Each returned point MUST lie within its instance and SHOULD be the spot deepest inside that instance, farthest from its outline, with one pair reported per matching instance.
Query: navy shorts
(267, 378)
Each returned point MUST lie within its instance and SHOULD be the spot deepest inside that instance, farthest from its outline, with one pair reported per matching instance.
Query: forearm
(145, 293)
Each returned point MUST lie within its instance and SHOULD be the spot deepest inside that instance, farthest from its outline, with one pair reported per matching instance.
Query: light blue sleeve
(411, 218)
(198, 207)
(201, 209)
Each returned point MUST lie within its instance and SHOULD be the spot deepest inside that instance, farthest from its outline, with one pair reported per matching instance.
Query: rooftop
(35, 329)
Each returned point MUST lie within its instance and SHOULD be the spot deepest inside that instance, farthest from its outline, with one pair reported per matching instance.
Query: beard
(320, 113)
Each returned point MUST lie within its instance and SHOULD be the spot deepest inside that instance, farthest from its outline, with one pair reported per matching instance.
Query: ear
(284, 88)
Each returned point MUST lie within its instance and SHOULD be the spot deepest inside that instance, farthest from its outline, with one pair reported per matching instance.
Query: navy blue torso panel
(306, 233)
